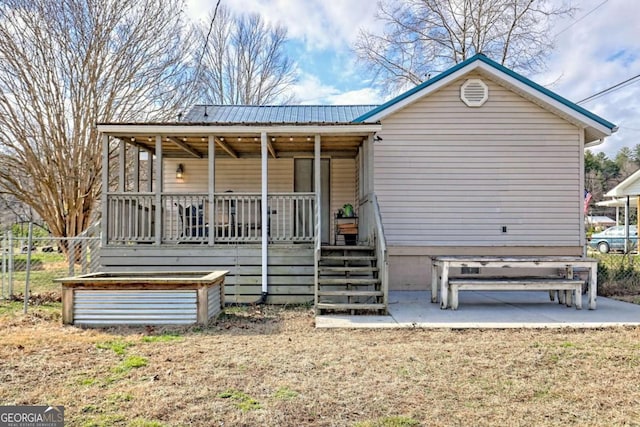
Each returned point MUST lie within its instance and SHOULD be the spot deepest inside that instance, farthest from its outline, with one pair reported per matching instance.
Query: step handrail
(316, 254)
(381, 250)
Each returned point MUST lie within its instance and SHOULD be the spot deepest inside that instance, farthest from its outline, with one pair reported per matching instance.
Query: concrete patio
(514, 309)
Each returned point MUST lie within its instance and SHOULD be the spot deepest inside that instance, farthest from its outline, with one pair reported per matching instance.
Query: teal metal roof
(501, 68)
(276, 114)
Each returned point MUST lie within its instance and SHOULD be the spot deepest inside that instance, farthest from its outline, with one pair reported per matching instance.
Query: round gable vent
(474, 92)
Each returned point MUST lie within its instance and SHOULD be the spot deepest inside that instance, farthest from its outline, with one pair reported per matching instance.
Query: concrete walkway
(515, 309)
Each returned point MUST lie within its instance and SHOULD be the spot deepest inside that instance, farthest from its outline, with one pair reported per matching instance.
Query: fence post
(28, 274)
(83, 256)
(72, 256)
(10, 263)
(4, 263)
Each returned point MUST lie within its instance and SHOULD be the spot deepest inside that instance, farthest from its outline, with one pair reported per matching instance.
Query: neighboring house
(625, 195)
(475, 161)
(600, 222)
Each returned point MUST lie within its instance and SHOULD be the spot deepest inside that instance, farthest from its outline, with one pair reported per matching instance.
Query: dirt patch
(270, 367)
(38, 298)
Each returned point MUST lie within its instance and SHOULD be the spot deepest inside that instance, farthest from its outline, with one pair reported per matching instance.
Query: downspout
(265, 218)
(265, 232)
(317, 151)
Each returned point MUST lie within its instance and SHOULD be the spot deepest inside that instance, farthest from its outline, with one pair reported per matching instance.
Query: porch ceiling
(244, 144)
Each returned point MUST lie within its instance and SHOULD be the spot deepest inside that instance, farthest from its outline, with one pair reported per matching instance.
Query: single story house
(336, 205)
(625, 195)
(600, 222)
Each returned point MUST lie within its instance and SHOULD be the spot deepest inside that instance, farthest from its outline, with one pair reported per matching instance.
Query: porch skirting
(290, 267)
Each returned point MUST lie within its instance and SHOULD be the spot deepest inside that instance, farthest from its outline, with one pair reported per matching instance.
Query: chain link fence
(619, 275)
(29, 266)
(32, 272)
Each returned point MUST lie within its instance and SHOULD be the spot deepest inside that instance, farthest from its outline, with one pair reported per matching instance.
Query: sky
(595, 49)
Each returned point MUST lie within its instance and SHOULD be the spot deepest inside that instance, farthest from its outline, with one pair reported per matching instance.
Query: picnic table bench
(566, 287)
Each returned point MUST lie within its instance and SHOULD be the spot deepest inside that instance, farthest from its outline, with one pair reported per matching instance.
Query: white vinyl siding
(343, 185)
(450, 175)
(237, 175)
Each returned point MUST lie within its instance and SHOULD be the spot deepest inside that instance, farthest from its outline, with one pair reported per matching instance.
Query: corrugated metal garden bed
(142, 298)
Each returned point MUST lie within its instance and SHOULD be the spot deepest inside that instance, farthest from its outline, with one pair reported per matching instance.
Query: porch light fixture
(180, 171)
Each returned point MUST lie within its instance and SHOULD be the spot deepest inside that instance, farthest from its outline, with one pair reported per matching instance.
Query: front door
(303, 181)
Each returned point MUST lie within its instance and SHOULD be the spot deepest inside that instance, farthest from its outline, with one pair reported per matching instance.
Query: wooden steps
(353, 307)
(351, 293)
(347, 280)
(343, 247)
(349, 258)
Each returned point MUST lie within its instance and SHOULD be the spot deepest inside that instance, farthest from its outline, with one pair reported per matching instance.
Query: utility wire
(610, 89)
(580, 19)
(206, 40)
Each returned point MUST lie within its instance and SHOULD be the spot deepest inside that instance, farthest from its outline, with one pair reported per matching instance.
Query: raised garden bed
(142, 298)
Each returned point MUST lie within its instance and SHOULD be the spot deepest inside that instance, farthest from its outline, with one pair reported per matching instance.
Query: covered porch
(257, 199)
(182, 184)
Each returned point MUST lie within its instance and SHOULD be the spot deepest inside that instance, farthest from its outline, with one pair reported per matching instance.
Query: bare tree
(245, 62)
(421, 37)
(65, 65)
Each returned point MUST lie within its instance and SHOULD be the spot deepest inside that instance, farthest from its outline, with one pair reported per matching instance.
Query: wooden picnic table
(443, 264)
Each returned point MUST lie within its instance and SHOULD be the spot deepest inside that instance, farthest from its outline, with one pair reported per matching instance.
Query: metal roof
(600, 219)
(628, 187)
(276, 114)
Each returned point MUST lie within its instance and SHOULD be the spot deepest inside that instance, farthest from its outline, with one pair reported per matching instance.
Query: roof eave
(618, 190)
(184, 129)
(547, 97)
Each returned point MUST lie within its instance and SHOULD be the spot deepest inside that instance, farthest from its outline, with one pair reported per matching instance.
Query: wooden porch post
(265, 212)
(122, 160)
(136, 169)
(369, 164)
(318, 185)
(212, 187)
(367, 186)
(149, 171)
(158, 190)
(105, 189)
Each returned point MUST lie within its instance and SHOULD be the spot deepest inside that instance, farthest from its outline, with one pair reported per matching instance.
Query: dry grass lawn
(270, 367)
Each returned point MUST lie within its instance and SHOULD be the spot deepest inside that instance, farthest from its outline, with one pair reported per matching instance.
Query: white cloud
(311, 91)
(591, 54)
(320, 24)
(358, 96)
(594, 54)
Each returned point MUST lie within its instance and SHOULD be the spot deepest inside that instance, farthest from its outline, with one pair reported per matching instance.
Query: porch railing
(187, 218)
(131, 217)
(371, 226)
(382, 254)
